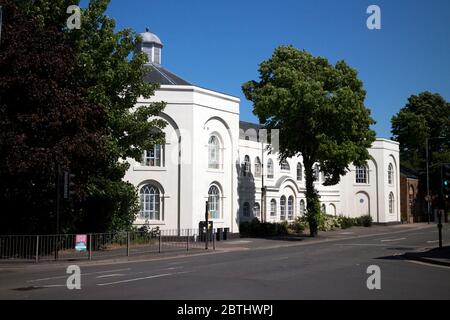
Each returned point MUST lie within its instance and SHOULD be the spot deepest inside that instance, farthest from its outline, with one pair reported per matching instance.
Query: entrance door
(362, 204)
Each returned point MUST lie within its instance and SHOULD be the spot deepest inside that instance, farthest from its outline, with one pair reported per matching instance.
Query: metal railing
(103, 245)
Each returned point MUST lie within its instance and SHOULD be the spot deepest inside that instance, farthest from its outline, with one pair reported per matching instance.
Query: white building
(210, 155)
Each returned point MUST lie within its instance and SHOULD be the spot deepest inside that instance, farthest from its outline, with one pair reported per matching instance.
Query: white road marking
(360, 244)
(139, 279)
(428, 264)
(83, 274)
(390, 240)
(110, 275)
(52, 286)
(238, 242)
(432, 241)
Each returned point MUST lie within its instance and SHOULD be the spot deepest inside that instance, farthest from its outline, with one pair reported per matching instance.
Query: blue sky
(219, 44)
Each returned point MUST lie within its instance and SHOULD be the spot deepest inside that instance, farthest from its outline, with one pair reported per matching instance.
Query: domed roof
(149, 37)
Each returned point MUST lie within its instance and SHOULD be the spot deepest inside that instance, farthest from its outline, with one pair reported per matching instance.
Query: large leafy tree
(426, 115)
(46, 124)
(319, 109)
(109, 74)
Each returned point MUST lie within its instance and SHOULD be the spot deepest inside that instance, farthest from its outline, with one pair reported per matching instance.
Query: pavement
(331, 266)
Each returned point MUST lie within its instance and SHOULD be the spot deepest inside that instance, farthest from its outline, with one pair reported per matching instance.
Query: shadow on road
(436, 256)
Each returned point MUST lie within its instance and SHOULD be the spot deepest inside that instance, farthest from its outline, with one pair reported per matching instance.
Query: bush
(346, 222)
(298, 225)
(365, 221)
(255, 228)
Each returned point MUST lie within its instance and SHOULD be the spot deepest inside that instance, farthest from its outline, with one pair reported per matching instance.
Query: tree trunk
(312, 200)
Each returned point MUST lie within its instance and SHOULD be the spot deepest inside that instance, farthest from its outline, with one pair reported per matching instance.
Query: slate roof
(158, 74)
(409, 173)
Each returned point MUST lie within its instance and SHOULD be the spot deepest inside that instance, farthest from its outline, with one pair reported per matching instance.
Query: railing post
(187, 240)
(159, 248)
(37, 249)
(90, 246)
(128, 244)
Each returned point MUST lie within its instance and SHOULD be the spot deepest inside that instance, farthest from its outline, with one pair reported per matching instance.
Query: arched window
(332, 209)
(256, 210)
(257, 167)
(273, 208)
(362, 174)
(299, 172)
(316, 172)
(283, 208)
(302, 207)
(214, 202)
(150, 203)
(270, 169)
(153, 157)
(290, 208)
(247, 166)
(213, 152)
(390, 173)
(285, 165)
(323, 208)
(246, 209)
(391, 203)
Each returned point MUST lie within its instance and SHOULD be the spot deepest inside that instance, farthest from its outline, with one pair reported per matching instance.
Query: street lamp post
(428, 175)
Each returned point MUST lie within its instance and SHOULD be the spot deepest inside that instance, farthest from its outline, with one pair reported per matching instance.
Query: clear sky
(218, 44)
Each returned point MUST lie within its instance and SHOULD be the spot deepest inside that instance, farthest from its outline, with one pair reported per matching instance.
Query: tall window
(214, 202)
(257, 167)
(302, 207)
(273, 208)
(390, 173)
(150, 203)
(299, 172)
(270, 169)
(285, 165)
(213, 152)
(247, 165)
(290, 208)
(391, 203)
(323, 208)
(256, 210)
(283, 208)
(362, 174)
(246, 209)
(152, 157)
(316, 172)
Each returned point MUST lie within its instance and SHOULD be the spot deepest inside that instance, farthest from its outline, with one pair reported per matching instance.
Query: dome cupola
(152, 46)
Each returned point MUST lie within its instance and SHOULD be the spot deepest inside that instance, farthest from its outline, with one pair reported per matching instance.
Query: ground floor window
(256, 210)
(273, 208)
(150, 202)
(302, 207)
(291, 208)
(283, 208)
(391, 203)
(214, 202)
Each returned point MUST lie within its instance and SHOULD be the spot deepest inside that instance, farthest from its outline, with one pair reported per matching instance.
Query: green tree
(109, 74)
(45, 121)
(426, 115)
(319, 110)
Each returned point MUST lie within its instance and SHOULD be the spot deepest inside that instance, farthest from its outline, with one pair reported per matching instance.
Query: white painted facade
(179, 182)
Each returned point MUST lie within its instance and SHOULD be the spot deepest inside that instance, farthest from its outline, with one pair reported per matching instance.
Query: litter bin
(218, 234)
(225, 233)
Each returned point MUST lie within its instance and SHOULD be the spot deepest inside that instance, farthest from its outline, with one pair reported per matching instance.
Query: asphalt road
(317, 270)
